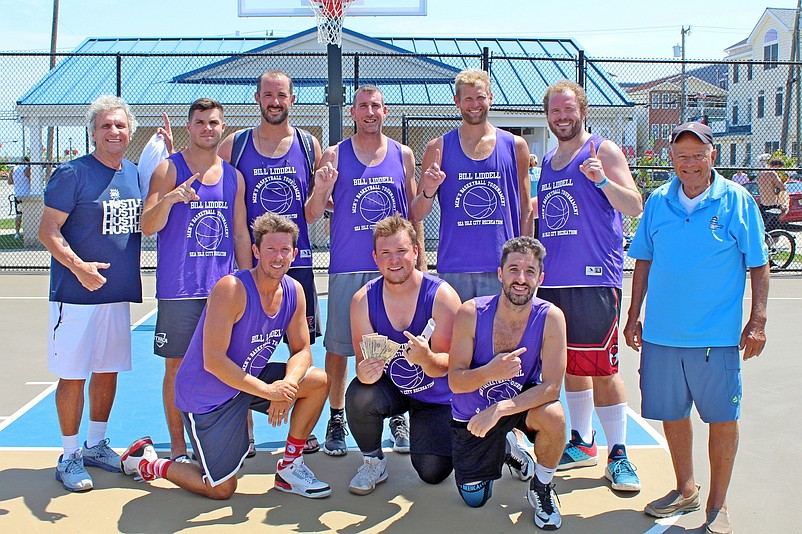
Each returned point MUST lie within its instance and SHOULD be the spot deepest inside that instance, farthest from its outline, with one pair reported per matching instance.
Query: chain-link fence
(753, 108)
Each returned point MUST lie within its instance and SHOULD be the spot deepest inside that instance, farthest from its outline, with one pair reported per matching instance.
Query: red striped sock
(157, 468)
(292, 450)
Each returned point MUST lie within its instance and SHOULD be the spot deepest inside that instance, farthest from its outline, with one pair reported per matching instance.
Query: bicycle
(782, 248)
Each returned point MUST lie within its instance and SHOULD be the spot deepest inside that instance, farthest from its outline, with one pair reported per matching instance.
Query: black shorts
(306, 277)
(176, 321)
(479, 459)
(591, 317)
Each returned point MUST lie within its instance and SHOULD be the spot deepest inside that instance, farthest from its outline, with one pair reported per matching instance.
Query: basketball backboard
(300, 8)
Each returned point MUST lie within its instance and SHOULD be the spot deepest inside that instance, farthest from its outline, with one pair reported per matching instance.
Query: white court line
(40, 383)
(19, 413)
(663, 524)
(52, 385)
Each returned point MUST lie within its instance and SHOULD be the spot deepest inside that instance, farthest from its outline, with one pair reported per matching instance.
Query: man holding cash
(397, 370)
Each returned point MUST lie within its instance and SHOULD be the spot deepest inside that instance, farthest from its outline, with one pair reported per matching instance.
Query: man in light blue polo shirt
(697, 237)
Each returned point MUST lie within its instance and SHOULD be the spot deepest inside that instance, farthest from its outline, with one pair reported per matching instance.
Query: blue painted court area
(138, 408)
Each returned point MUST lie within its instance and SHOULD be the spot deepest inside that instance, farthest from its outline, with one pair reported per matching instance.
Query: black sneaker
(541, 497)
(400, 431)
(335, 436)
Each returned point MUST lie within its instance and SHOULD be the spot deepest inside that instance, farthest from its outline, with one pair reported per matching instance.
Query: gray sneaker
(400, 431)
(335, 436)
(102, 456)
(373, 471)
(517, 458)
(72, 473)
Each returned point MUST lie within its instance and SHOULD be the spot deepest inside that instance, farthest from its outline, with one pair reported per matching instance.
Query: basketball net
(329, 15)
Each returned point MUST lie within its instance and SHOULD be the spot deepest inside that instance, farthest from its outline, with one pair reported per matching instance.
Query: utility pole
(53, 41)
(683, 89)
(793, 76)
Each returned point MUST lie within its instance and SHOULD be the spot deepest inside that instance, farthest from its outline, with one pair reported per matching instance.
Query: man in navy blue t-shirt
(91, 227)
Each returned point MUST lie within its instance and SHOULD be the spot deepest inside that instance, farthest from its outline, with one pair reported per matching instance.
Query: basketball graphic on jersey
(259, 361)
(405, 375)
(556, 212)
(480, 202)
(209, 231)
(276, 196)
(375, 205)
(499, 392)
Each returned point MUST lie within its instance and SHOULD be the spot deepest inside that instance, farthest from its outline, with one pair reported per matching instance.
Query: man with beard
(585, 185)
(278, 162)
(480, 175)
(506, 369)
(366, 178)
(399, 304)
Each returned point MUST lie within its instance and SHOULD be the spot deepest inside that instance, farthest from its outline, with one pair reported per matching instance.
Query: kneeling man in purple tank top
(227, 371)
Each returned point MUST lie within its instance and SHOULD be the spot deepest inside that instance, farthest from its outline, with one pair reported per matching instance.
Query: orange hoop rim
(332, 8)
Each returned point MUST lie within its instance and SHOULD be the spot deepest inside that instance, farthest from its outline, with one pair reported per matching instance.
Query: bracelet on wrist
(602, 183)
(423, 192)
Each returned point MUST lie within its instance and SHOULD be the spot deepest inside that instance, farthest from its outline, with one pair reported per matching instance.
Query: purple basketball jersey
(466, 405)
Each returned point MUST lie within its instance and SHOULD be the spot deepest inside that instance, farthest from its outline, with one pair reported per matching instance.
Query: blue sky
(631, 29)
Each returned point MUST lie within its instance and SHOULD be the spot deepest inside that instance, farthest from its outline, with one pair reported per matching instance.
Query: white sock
(614, 422)
(97, 431)
(70, 444)
(544, 474)
(580, 407)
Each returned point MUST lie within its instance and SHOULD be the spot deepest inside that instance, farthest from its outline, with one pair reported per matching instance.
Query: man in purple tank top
(366, 178)
(227, 372)
(480, 175)
(585, 185)
(196, 203)
(277, 166)
(506, 369)
(412, 378)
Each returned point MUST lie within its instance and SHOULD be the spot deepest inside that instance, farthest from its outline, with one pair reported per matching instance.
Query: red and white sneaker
(139, 451)
(297, 478)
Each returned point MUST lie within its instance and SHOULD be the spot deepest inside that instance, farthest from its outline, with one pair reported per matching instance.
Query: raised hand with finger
(166, 133)
(432, 177)
(592, 168)
(325, 177)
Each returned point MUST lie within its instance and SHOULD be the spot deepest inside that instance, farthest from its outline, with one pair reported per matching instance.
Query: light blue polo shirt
(699, 261)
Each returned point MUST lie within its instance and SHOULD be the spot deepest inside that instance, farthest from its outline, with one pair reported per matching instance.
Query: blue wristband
(602, 183)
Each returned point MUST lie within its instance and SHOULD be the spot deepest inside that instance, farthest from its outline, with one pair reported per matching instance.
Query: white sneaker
(517, 458)
(139, 450)
(72, 473)
(373, 471)
(298, 478)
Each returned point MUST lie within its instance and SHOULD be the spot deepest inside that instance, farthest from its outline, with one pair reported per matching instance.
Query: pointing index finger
(191, 180)
(593, 150)
(166, 122)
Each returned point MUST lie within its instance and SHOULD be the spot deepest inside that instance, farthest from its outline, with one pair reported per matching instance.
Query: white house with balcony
(761, 100)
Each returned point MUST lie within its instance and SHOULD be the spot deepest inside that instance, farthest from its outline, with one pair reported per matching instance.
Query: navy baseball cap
(702, 131)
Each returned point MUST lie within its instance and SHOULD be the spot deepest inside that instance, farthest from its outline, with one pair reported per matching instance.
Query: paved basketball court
(32, 500)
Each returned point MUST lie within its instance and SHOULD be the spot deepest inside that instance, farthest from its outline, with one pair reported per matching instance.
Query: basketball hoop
(329, 15)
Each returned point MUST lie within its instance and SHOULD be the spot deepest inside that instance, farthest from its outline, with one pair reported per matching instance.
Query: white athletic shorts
(89, 338)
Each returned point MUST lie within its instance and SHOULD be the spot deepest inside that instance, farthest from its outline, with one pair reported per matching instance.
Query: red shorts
(591, 316)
